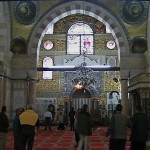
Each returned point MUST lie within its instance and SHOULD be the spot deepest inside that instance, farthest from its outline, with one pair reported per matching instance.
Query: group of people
(25, 122)
(117, 130)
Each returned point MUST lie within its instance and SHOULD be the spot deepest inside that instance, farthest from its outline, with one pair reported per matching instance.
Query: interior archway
(69, 8)
(81, 93)
(95, 11)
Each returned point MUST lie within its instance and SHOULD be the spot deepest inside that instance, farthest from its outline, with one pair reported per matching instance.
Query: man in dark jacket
(3, 128)
(84, 128)
(117, 130)
(139, 130)
(17, 128)
(71, 116)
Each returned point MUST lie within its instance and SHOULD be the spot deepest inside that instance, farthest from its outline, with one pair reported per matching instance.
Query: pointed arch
(74, 7)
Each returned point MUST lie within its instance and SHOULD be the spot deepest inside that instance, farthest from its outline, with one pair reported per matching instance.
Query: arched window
(47, 63)
(80, 39)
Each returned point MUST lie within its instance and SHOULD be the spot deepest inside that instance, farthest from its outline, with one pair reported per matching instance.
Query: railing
(140, 78)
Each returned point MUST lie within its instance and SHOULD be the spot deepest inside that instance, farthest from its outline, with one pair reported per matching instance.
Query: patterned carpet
(64, 140)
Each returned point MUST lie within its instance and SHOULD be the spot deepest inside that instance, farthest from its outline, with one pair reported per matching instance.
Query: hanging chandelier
(84, 77)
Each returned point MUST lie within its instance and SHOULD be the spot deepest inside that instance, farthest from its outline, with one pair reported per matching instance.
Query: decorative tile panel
(110, 84)
(48, 85)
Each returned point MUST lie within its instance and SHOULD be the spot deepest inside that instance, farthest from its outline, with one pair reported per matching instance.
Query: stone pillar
(2, 85)
(31, 87)
(1, 91)
(124, 96)
(147, 53)
(147, 65)
(31, 91)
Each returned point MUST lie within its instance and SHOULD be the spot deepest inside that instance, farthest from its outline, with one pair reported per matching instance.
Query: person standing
(28, 120)
(139, 130)
(77, 138)
(17, 128)
(48, 119)
(60, 119)
(117, 130)
(84, 128)
(71, 116)
(95, 118)
(4, 124)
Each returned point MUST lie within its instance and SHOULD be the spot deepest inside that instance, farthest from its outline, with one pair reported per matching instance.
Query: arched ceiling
(76, 7)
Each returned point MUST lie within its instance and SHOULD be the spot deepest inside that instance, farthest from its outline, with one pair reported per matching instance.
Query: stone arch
(75, 7)
(91, 90)
(81, 93)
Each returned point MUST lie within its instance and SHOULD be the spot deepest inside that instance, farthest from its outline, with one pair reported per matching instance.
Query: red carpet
(64, 140)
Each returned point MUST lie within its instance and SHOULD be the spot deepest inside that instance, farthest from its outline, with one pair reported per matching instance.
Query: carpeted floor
(64, 140)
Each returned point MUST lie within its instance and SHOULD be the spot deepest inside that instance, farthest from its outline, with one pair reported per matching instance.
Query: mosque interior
(65, 53)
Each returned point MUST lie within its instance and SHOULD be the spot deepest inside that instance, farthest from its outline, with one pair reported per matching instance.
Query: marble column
(1, 91)
(31, 90)
(124, 96)
(147, 55)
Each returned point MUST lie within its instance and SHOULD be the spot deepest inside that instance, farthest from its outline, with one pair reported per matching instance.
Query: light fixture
(74, 68)
(79, 85)
(84, 77)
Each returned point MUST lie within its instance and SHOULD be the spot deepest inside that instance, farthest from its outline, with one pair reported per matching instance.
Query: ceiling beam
(75, 68)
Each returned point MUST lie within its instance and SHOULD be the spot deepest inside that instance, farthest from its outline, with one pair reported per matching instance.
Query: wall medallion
(139, 45)
(48, 45)
(25, 12)
(18, 45)
(133, 12)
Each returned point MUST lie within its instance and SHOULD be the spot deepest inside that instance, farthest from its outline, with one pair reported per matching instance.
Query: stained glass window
(111, 44)
(87, 44)
(73, 44)
(48, 45)
(80, 39)
(47, 63)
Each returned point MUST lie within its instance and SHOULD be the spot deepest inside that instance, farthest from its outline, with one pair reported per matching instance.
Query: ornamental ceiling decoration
(48, 85)
(18, 45)
(26, 12)
(139, 45)
(133, 12)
